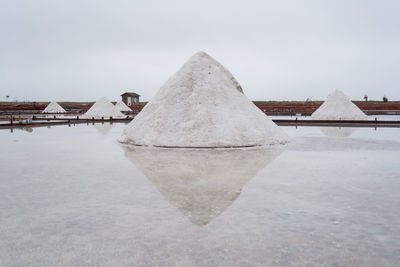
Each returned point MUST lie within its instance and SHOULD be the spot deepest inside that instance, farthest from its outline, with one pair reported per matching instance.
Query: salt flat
(74, 196)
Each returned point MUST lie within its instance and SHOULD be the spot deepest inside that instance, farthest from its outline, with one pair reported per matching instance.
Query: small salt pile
(338, 107)
(202, 106)
(53, 107)
(121, 106)
(103, 108)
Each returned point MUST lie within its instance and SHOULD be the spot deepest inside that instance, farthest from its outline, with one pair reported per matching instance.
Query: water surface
(74, 196)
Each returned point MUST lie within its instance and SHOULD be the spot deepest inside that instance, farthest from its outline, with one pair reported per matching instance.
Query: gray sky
(278, 50)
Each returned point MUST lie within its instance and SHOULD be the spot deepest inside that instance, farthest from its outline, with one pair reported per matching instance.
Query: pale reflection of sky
(74, 196)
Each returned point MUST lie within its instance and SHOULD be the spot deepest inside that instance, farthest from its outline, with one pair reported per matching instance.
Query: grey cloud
(80, 50)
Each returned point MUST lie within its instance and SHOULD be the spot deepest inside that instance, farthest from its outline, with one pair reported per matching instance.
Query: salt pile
(103, 109)
(202, 105)
(121, 106)
(338, 107)
(53, 107)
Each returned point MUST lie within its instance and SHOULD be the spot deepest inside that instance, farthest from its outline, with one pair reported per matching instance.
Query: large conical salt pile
(53, 107)
(338, 107)
(103, 108)
(121, 106)
(202, 105)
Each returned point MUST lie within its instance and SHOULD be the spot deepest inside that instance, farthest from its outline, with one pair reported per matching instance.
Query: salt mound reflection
(338, 131)
(202, 184)
(103, 128)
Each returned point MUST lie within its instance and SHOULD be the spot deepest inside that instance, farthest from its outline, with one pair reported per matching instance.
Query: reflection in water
(25, 128)
(200, 183)
(338, 131)
(103, 128)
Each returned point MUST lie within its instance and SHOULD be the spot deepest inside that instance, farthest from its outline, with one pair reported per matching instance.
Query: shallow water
(74, 196)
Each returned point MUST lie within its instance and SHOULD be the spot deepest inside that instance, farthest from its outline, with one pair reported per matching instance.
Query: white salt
(202, 105)
(338, 107)
(121, 106)
(103, 108)
(53, 107)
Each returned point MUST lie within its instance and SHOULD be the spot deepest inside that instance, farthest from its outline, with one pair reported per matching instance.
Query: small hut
(130, 99)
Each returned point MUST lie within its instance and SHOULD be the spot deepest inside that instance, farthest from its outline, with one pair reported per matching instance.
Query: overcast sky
(278, 50)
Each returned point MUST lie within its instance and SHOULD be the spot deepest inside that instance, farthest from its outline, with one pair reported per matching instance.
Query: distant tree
(366, 97)
(309, 99)
(384, 98)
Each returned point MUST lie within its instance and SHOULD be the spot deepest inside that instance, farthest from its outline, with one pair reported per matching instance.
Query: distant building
(130, 99)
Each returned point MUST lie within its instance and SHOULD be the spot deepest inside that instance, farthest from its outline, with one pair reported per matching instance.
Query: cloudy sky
(278, 50)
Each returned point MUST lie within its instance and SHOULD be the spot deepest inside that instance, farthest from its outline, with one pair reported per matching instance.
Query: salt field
(199, 133)
(75, 196)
